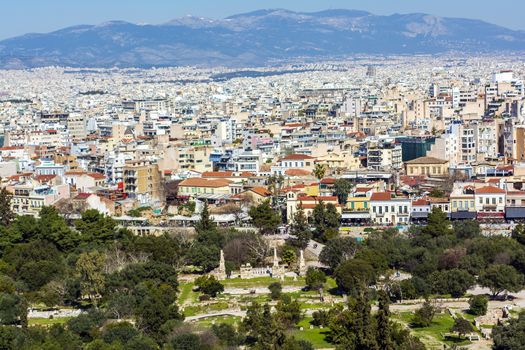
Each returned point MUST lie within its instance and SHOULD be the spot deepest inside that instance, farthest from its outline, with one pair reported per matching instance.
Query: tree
(97, 228)
(319, 170)
(438, 224)
(6, 214)
(86, 324)
(500, 278)
(265, 218)
(288, 312)
(35, 263)
(209, 285)
(263, 330)
(186, 341)
(156, 308)
(275, 290)
(518, 233)
(326, 221)
(342, 188)
(90, 268)
(338, 250)
(424, 316)
(354, 275)
(384, 331)
(288, 255)
(315, 278)
(300, 229)
(54, 228)
(462, 326)
(13, 310)
(205, 250)
(122, 332)
(455, 282)
(465, 229)
(245, 247)
(227, 335)
(510, 335)
(478, 305)
(205, 224)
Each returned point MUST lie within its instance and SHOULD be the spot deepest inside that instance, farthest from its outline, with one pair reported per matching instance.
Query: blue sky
(23, 16)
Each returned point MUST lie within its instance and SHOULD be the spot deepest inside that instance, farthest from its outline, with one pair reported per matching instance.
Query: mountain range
(255, 38)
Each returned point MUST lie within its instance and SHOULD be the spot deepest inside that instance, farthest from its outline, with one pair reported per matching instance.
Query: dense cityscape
(365, 202)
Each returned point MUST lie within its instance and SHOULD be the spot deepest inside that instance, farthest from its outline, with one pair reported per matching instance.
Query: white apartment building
(388, 210)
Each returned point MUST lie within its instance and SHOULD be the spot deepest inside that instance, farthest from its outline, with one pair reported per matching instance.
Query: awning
(193, 218)
(419, 214)
(213, 196)
(463, 215)
(515, 212)
(491, 215)
(355, 215)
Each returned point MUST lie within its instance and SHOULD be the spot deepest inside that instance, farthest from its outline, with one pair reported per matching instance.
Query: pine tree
(365, 337)
(6, 214)
(300, 229)
(205, 223)
(384, 332)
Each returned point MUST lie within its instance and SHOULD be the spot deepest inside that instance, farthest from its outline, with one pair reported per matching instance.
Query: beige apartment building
(428, 166)
(142, 181)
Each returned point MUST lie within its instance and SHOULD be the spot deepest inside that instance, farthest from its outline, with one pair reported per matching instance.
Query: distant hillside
(255, 38)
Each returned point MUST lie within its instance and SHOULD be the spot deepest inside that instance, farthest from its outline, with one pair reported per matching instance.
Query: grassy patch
(432, 336)
(305, 306)
(47, 321)
(187, 293)
(316, 336)
(207, 322)
(205, 309)
(261, 282)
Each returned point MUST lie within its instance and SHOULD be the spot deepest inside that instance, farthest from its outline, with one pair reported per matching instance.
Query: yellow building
(339, 161)
(462, 203)
(429, 166)
(193, 187)
(358, 204)
(142, 181)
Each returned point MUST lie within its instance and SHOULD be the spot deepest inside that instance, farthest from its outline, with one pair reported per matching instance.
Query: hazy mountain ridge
(254, 38)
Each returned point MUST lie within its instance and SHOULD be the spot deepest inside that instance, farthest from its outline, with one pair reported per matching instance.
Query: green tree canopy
(265, 218)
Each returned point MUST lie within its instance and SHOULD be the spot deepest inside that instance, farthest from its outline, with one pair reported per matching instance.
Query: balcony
(356, 210)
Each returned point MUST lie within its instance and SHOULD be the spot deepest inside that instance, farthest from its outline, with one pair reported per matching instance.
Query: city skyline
(18, 21)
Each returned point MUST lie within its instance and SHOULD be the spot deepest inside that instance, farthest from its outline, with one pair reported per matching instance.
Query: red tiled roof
(41, 178)
(318, 198)
(198, 182)
(420, 202)
(297, 172)
(261, 191)
(217, 174)
(381, 196)
(362, 189)
(297, 157)
(97, 176)
(489, 190)
(328, 180)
